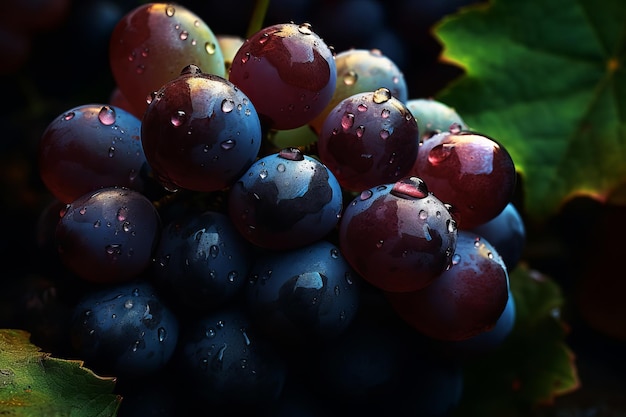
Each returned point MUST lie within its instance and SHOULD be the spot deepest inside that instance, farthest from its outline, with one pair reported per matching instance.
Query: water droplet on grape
(113, 249)
(228, 144)
(209, 47)
(263, 39)
(280, 168)
(69, 115)
(440, 153)
(111, 152)
(384, 134)
(334, 253)
(347, 121)
(362, 107)
(360, 130)
(178, 118)
(381, 95)
(384, 113)
(305, 28)
(263, 174)
(232, 276)
(170, 10)
(456, 259)
(455, 128)
(423, 214)
(96, 224)
(82, 211)
(210, 332)
(291, 154)
(379, 244)
(161, 334)
(140, 69)
(128, 304)
(365, 194)
(451, 226)
(350, 78)
(214, 250)
(183, 35)
(228, 105)
(409, 188)
(107, 115)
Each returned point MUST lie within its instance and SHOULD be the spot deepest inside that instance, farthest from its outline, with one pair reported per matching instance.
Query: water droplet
(191, 69)
(106, 115)
(347, 121)
(126, 226)
(245, 57)
(365, 194)
(122, 214)
(183, 35)
(210, 332)
(228, 105)
(280, 168)
(384, 113)
(381, 95)
(214, 250)
(263, 174)
(135, 292)
(69, 115)
(232, 276)
(423, 214)
(170, 10)
(82, 211)
(96, 224)
(451, 226)
(128, 304)
(334, 253)
(384, 134)
(360, 130)
(291, 154)
(380, 243)
(113, 249)
(305, 28)
(440, 153)
(140, 69)
(410, 188)
(456, 258)
(209, 47)
(162, 334)
(362, 107)
(228, 144)
(246, 338)
(348, 277)
(264, 38)
(455, 128)
(350, 78)
(337, 290)
(178, 118)
(220, 324)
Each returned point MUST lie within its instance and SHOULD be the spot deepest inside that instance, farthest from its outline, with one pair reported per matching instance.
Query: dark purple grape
(465, 300)
(285, 200)
(124, 330)
(108, 235)
(90, 147)
(288, 72)
(369, 139)
(468, 170)
(303, 295)
(224, 365)
(507, 233)
(202, 262)
(200, 132)
(398, 237)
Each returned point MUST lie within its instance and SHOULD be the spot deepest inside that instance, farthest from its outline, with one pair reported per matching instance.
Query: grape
(151, 43)
(108, 235)
(507, 233)
(302, 295)
(92, 146)
(200, 132)
(398, 237)
(285, 200)
(434, 116)
(229, 44)
(288, 72)
(361, 71)
(124, 330)
(369, 139)
(224, 364)
(468, 170)
(202, 261)
(465, 300)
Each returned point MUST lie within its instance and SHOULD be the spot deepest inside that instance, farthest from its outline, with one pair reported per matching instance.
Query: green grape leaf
(547, 80)
(35, 384)
(534, 365)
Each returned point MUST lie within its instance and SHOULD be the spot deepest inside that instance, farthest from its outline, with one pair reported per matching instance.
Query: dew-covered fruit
(468, 170)
(399, 237)
(151, 43)
(465, 300)
(303, 295)
(91, 146)
(124, 330)
(288, 72)
(285, 200)
(200, 132)
(224, 364)
(368, 139)
(108, 235)
(201, 262)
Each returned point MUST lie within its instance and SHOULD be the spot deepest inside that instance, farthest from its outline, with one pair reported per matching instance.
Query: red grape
(288, 72)
(153, 43)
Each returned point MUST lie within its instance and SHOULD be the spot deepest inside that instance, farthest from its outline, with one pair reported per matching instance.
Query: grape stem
(258, 17)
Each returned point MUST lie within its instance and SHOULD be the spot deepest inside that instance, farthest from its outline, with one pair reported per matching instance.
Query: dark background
(53, 56)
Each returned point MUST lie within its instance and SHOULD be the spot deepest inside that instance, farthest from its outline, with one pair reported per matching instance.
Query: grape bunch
(215, 244)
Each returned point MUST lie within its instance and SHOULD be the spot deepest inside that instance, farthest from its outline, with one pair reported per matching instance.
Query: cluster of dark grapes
(269, 226)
